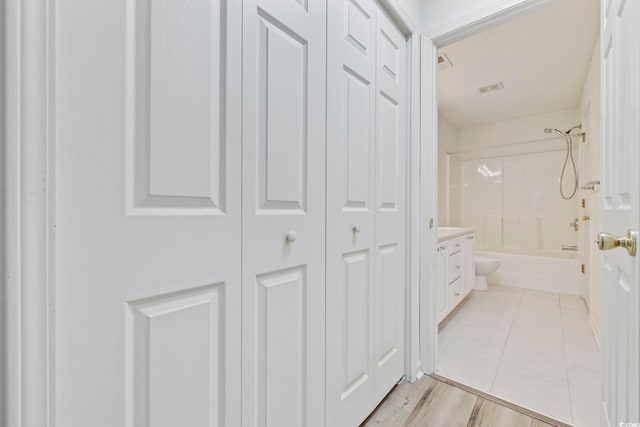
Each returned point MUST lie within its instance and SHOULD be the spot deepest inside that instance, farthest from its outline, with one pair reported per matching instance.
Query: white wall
(448, 173)
(515, 204)
(411, 10)
(591, 156)
(521, 129)
(414, 9)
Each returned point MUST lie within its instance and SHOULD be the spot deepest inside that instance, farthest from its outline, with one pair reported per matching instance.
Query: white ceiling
(541, 57)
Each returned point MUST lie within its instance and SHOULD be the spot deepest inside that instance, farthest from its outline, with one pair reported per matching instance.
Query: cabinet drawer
(455, 245)
(455, 266)
(455, 293)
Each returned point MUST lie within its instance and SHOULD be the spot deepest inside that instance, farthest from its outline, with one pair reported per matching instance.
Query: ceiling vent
(444, 62)
(491, 88)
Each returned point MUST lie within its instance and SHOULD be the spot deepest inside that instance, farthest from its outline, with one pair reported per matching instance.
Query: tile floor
(533, 348)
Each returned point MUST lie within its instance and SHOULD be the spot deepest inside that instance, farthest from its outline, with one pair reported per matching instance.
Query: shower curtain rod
(512, 144)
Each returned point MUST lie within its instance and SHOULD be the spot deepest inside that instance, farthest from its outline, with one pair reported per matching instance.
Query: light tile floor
(533, 348)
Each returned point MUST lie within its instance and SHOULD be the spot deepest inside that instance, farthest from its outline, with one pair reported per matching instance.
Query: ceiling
(541, 57)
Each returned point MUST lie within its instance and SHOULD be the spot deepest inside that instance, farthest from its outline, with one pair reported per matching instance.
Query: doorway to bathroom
(519, 153)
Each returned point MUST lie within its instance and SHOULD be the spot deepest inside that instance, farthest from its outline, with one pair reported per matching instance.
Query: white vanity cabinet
(442, 279)
(455, 267)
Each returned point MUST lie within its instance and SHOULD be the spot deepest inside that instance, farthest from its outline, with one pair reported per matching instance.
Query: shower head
(549, 130)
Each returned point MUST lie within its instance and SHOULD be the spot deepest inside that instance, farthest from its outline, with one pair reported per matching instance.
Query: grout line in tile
(504, 346)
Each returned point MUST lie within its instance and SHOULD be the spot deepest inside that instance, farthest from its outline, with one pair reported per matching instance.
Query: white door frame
(28, 256)
(430, 42)
(28, 248)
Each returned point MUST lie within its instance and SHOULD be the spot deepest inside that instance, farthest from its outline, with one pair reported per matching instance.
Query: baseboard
(536, 282)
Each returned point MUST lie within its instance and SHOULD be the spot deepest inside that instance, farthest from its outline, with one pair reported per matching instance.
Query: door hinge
(582, 268)
(584, 203)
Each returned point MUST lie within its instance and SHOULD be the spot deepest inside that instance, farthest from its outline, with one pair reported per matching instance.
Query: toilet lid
(487, 260)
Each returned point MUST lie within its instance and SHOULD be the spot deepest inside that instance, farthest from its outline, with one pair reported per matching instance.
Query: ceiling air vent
(444, 62)
(491, 88)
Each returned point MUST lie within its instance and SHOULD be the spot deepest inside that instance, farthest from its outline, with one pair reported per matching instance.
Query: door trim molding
(28, 308)
(430, 42)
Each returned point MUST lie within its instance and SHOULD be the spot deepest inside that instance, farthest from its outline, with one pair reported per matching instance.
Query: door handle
(608, 241)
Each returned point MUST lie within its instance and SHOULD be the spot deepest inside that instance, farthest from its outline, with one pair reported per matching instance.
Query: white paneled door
(147, 213)
(390, 205)
(283, 250)
(351, 75)
(365, 209)
(621, 179)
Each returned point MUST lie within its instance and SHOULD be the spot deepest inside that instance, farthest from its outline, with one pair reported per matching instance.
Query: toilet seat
(485, 260)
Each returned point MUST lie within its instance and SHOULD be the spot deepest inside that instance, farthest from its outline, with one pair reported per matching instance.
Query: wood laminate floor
(432, 403)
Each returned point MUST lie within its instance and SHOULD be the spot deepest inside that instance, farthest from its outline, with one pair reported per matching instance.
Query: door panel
(283, 212)
(621, 310)
(147, 213)
(365, 259)
(177, 110)
(390, 205)
(281, 352)
(350, 210)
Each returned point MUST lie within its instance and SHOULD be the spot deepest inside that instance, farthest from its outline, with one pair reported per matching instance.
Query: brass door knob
(608, 241)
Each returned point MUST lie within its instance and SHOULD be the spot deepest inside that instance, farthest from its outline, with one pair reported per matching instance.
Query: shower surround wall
(513, 202)
(510, 195)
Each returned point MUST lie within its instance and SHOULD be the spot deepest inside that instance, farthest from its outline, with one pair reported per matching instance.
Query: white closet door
(146, 216)
(350, 210)
(390, 205)
(284, 102)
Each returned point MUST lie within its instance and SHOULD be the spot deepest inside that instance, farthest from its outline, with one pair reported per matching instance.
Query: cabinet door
(283, 265)
(442, 280)
(351, 212)
(390, 205)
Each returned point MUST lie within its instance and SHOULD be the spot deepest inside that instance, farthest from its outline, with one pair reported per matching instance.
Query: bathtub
(549, 274)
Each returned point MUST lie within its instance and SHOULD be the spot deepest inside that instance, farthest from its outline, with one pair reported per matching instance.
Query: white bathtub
(534, 272)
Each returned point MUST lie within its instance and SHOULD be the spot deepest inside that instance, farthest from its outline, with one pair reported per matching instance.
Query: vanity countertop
(445, 233)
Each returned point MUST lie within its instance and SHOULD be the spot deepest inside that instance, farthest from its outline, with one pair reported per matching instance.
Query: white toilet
(484, 267)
